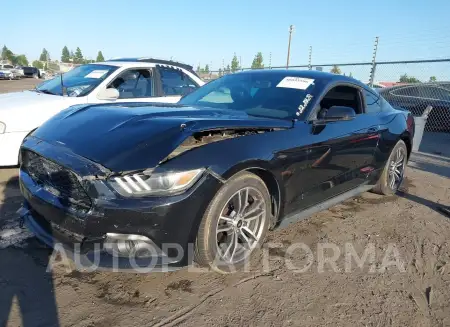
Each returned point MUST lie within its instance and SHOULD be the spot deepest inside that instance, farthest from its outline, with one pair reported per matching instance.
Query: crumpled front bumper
(89, 257)
(171, 224)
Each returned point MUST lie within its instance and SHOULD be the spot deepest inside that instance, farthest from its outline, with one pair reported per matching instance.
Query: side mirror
(109, 94)
(336, 113)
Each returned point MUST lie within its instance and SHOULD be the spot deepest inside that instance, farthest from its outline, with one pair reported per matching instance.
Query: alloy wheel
(240, 225)
(396, 171)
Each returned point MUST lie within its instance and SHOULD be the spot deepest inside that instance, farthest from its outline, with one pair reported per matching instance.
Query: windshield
(79, 81)
(262, 94)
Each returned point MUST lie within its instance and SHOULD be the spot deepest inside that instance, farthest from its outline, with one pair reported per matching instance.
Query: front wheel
(394, 171)
(234, 224)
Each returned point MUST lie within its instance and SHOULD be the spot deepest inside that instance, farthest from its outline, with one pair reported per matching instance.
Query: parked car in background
(243, 154)
(9, 72)
(126, 80)
(31, 72)
(19, 71)
(416, 97)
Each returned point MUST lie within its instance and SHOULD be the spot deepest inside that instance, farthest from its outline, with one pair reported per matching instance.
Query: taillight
(410, 124)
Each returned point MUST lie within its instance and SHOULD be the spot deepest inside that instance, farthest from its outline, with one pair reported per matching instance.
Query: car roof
(313, 74)
(441, 83)
(152, 62)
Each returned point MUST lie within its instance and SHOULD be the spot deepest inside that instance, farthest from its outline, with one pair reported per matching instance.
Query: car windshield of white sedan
(271, 94)
(78, 82)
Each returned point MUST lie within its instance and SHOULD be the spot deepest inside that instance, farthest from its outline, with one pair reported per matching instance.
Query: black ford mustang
(243, 154)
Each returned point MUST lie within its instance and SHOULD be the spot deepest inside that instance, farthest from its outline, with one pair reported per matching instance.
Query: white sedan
(124, 80)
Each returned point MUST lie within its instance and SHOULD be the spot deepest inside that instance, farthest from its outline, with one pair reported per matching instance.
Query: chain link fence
(412, 85)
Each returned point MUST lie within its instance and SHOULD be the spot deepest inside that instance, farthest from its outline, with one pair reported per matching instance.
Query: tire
(384, 185)
(209, 251)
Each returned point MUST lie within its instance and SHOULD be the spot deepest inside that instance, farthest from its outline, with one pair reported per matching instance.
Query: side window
(346, 96)
(134, 83)
(372, 102)
(436, 93)
(175, 82)
(411, 91)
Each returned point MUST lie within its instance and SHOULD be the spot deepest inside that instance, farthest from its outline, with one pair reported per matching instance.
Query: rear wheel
(394, 171)
(235, 223)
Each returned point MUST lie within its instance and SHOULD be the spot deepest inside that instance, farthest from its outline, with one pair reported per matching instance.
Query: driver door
(340, 153)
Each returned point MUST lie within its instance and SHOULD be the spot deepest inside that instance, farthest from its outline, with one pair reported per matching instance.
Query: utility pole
(270, 60)
(374, 64)
(310, 55)
(291, 29)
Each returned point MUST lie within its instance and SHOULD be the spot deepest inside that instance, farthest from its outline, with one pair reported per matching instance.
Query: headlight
(2, 127)
(164, 183)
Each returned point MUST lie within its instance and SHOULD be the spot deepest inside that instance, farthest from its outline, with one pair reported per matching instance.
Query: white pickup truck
(123, 80)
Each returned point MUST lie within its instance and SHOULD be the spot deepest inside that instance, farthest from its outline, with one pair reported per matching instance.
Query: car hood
(125, 137)
(24, 111)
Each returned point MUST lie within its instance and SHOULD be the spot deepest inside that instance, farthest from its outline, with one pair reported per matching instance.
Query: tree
(433, 79)
(38, 64)
(408, 79)
(21, 60)
(199, 70)
(100, 57)
(234, 63)
(65, 55)
(45, 56)
(72, 56)
(350, 75)
(7, 54)
(206, 69)
(228, 69)
(220, 72)
(335, 70)
(258, 61)
(78, 58)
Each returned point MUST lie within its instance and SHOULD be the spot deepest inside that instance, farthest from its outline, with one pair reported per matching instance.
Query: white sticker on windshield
(305, 102)
(96, 74)
(299, 83)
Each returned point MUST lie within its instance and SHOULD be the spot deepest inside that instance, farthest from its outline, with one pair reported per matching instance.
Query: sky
(210, 32)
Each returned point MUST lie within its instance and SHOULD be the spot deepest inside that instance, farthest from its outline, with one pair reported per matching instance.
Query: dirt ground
(18, 85)
(416, 293)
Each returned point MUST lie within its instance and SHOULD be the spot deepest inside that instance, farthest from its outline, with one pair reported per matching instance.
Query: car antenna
(63, 89)
(294, 120)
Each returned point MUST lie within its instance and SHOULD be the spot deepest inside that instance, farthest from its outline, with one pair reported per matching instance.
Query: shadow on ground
(23, 264)
(438, 207)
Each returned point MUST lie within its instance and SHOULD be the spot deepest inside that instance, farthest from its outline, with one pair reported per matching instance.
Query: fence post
(372, 73)
(374, 64)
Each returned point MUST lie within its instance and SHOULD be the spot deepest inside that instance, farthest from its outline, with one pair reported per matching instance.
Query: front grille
(57, 180)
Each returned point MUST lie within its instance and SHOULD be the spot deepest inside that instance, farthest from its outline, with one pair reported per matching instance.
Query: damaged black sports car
(244, 154)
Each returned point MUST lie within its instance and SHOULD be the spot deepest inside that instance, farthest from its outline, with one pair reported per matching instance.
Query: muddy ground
(416, 292)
